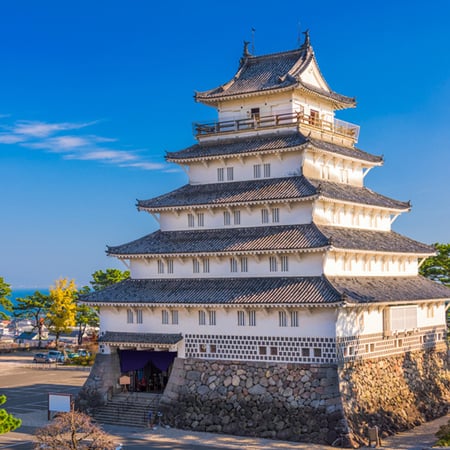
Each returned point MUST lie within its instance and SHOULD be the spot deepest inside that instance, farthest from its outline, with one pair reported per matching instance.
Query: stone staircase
(128, 409)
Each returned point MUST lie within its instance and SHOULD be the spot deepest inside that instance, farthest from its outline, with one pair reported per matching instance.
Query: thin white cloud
(50, 137)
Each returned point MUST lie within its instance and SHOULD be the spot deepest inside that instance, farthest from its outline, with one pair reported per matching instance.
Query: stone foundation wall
(294, 402)
(395, 393)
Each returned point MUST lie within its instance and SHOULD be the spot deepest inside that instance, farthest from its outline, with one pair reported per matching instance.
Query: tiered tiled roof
(266, 190)
(264, 239)
(306, 291)
(110, 337)
(286, 142)
(272, 73)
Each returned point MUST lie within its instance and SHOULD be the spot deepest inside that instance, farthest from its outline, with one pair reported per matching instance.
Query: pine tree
(7, 421)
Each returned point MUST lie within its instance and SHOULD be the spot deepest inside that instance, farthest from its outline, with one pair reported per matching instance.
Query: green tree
(86, 316)
(5, 302)
(33, 307)
(73, 431)
(7, 421)
(102, 279)
(62, 308)
(437, 268)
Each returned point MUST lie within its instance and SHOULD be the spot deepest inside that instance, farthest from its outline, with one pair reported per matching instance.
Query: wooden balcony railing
(275, 121)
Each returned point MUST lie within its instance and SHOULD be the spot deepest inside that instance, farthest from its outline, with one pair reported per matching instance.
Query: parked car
(43, 358)
(57, 355)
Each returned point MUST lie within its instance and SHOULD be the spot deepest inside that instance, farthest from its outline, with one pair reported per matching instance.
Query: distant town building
(274, 274)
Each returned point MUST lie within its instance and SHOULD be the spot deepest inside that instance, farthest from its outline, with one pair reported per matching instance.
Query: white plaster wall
(219, 267)
(348, 264)
(312, 322)
(300, 213)
(430, 315)
(287, 165)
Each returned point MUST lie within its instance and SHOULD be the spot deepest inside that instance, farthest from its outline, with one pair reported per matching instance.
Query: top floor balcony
(300, 120)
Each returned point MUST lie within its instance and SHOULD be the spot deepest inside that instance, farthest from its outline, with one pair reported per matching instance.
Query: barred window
(191, 222)
(160, 266)
(165, 317)
(237, 217)
(206, 265)
(282, 319)
(273, 264)
(212, 317)
(195, 266)
(201, 219)
(241, 318)
(252, 318)
(244, 264)
(139, 316)
(257, 171)
(275, 215)
(201, 318)
(233, 265)
(264, 216)
(174, 314)
(226, 218)
(130, 316)
(266, 170)
(284, 263)
(220, 174)
(294, 318)
(212, 348)
(170, 266)
(230, 173)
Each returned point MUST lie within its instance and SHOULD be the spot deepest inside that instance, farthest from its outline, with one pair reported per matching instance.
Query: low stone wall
(294, 402)
(395, 393)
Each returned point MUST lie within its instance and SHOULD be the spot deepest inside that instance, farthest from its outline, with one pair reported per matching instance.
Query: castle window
(212, 317)
(255, 113)
(233, 265)
(195, 266)
(212, 348)
(200, 219)
(201, 318)
(262, 350)
(191, 221)
(305, 352)
(205, 263)
(282, 319)
(273, 264)
(237, 217)
(252, 318)
(220, 174)
(164, 317)
(160, 266)
(130, 316)
(202, 348)
(275, 215)
(314, 117)
(274, 351)
(317, 352)
(266, 170)
(284, 263)
(241, 318)
(170, 266)
(294, 318)
(174, 314)
(230, 173)
(264, 216)
(430, 312)
(139, 316)
(257, 171)
(401, 318)
(244, 264)
(226, 218)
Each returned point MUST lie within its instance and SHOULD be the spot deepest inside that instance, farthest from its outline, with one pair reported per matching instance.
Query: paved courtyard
(27, 386)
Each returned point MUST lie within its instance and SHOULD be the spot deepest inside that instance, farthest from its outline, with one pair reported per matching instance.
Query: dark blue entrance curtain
(134, 359)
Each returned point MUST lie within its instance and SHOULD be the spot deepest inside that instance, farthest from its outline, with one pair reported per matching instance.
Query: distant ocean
(21, 293)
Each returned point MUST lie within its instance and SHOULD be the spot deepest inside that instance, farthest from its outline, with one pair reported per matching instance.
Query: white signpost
(59, 403)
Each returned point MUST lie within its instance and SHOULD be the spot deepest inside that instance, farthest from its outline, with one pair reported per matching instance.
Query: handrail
(277, 120)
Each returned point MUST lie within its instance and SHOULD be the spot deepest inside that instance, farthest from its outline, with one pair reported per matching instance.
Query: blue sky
(92, 93)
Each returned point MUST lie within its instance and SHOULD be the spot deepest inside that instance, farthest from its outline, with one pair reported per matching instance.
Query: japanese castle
(274, 254)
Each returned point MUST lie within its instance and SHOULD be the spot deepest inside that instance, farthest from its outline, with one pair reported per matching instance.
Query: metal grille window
(160, 266)
(200, 219)
(233, 265)
(252, 318)
(165, 317)
(212, 317)
(241, 318)
(195, 266)
(257, 171)
(264, 216)
(275, 215)
(191, 221)
(170, 266)
(206, 265)
(174, 314)
(201, 318)
(139, 316)
(230, 173)
(244, 264)
(402, 318)
(266, 170)
(294, 318)
(226, 218)
(237, 217)
(284, 263)
(282, 319)
(220, 174)
(273, 264)
(130, 316)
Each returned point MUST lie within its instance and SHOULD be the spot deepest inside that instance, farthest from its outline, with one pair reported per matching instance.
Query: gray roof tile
(140, 338)
(257, 144)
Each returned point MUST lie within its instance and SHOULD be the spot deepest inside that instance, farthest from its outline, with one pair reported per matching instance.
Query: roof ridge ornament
(245, 54)
(307, 41)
